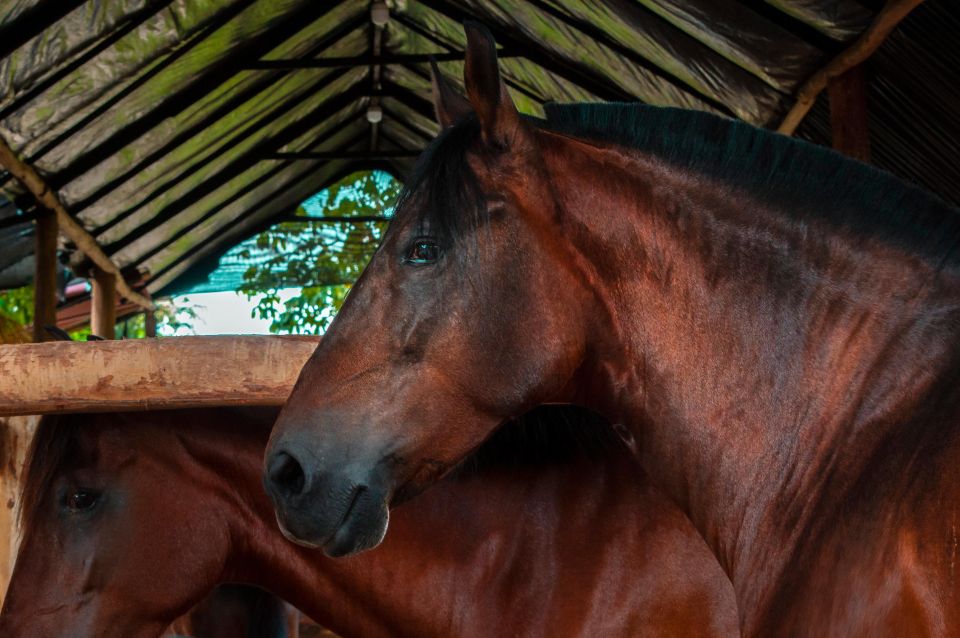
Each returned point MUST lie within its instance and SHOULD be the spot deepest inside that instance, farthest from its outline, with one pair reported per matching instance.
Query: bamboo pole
(85, 242)
(893, 12)
(148, 374)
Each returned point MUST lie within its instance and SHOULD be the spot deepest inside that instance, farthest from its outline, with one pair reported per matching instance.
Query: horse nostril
(286, 474)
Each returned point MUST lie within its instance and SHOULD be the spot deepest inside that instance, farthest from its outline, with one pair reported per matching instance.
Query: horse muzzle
(340, 510)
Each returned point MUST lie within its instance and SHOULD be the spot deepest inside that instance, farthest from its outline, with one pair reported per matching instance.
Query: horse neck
(761, 364)
(416, 583)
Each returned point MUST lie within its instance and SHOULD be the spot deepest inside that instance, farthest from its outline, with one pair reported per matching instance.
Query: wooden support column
(45, 275)
(103, 316)
(149, 324)
(848, 113)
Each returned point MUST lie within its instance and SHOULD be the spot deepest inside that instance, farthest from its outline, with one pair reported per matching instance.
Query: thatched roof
(166, 126)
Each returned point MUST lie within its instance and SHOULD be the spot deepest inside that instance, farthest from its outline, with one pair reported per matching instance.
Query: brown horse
(130, 519)
(775, 328)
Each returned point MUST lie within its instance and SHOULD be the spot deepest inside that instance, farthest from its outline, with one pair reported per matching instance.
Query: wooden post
(848, 113)
(893, 12)
(45, 276)
(15, 436)
(149, 324)
(103, 315)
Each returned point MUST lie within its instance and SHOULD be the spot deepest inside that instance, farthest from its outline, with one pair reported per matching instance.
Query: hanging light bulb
(379, 13)
(374, 114)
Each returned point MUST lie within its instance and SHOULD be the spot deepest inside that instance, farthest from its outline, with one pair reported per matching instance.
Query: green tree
(323, 257)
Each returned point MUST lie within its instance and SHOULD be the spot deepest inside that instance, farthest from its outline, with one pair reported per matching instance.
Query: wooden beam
(848, 113)
(893, 12)
(103, 314)
(342, 155)
(237, 99)
(149, 374)
(49, 199)
(241, 162)
(366, 59)
(32, 22)
(603, 87)
(45, 276)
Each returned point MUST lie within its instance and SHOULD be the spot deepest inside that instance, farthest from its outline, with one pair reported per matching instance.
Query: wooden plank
(848, 113)
(893, 12)
(149, 374)
(45, 276)
(103, 314)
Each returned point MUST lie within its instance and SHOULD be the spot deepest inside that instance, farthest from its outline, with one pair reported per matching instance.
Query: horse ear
(500, 121)
(448, 104)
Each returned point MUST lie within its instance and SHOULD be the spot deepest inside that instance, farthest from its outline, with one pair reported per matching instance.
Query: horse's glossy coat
(776, 330)
(181, 508)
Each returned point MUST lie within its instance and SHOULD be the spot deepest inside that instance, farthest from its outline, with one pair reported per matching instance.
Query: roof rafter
(228, 107)
(600, 87)
(216, 209)
(241, 163)
(241, 136)
(365, 60)
(218, 73)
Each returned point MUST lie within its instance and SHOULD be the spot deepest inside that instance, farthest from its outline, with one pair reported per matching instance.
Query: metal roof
(167, 126)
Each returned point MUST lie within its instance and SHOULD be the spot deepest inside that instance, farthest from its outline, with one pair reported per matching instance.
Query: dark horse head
(127, 524)
(466, 316)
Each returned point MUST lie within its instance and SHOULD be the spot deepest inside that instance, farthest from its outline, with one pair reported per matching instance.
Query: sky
(221, 313)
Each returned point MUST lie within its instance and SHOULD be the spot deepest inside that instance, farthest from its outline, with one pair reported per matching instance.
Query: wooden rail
(149, 374)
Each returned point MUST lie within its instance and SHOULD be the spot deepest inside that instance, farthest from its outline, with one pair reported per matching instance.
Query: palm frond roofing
(157, 120)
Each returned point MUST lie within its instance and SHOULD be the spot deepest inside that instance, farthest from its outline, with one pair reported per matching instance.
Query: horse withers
(774, 327)
(131, 519)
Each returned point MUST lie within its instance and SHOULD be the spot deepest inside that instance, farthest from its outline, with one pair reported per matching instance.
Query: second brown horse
(130, 519)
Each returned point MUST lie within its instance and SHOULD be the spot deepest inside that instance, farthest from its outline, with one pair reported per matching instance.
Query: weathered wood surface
(149, 374)
(15, 436)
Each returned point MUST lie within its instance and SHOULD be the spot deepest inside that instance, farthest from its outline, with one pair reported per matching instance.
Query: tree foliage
(322, 258)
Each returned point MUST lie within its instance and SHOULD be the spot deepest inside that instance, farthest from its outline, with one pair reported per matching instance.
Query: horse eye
(422, 252)
(81, 500)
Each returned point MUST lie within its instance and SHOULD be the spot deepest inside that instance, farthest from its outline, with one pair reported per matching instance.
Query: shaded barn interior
(172, 130)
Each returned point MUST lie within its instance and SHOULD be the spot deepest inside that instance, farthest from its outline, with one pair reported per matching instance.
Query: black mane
(444, 187)
(816, 182)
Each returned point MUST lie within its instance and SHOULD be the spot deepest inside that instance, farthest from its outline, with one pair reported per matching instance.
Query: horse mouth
(361, 526)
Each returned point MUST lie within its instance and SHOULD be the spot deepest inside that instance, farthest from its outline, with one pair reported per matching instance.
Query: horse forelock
(443, 191)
